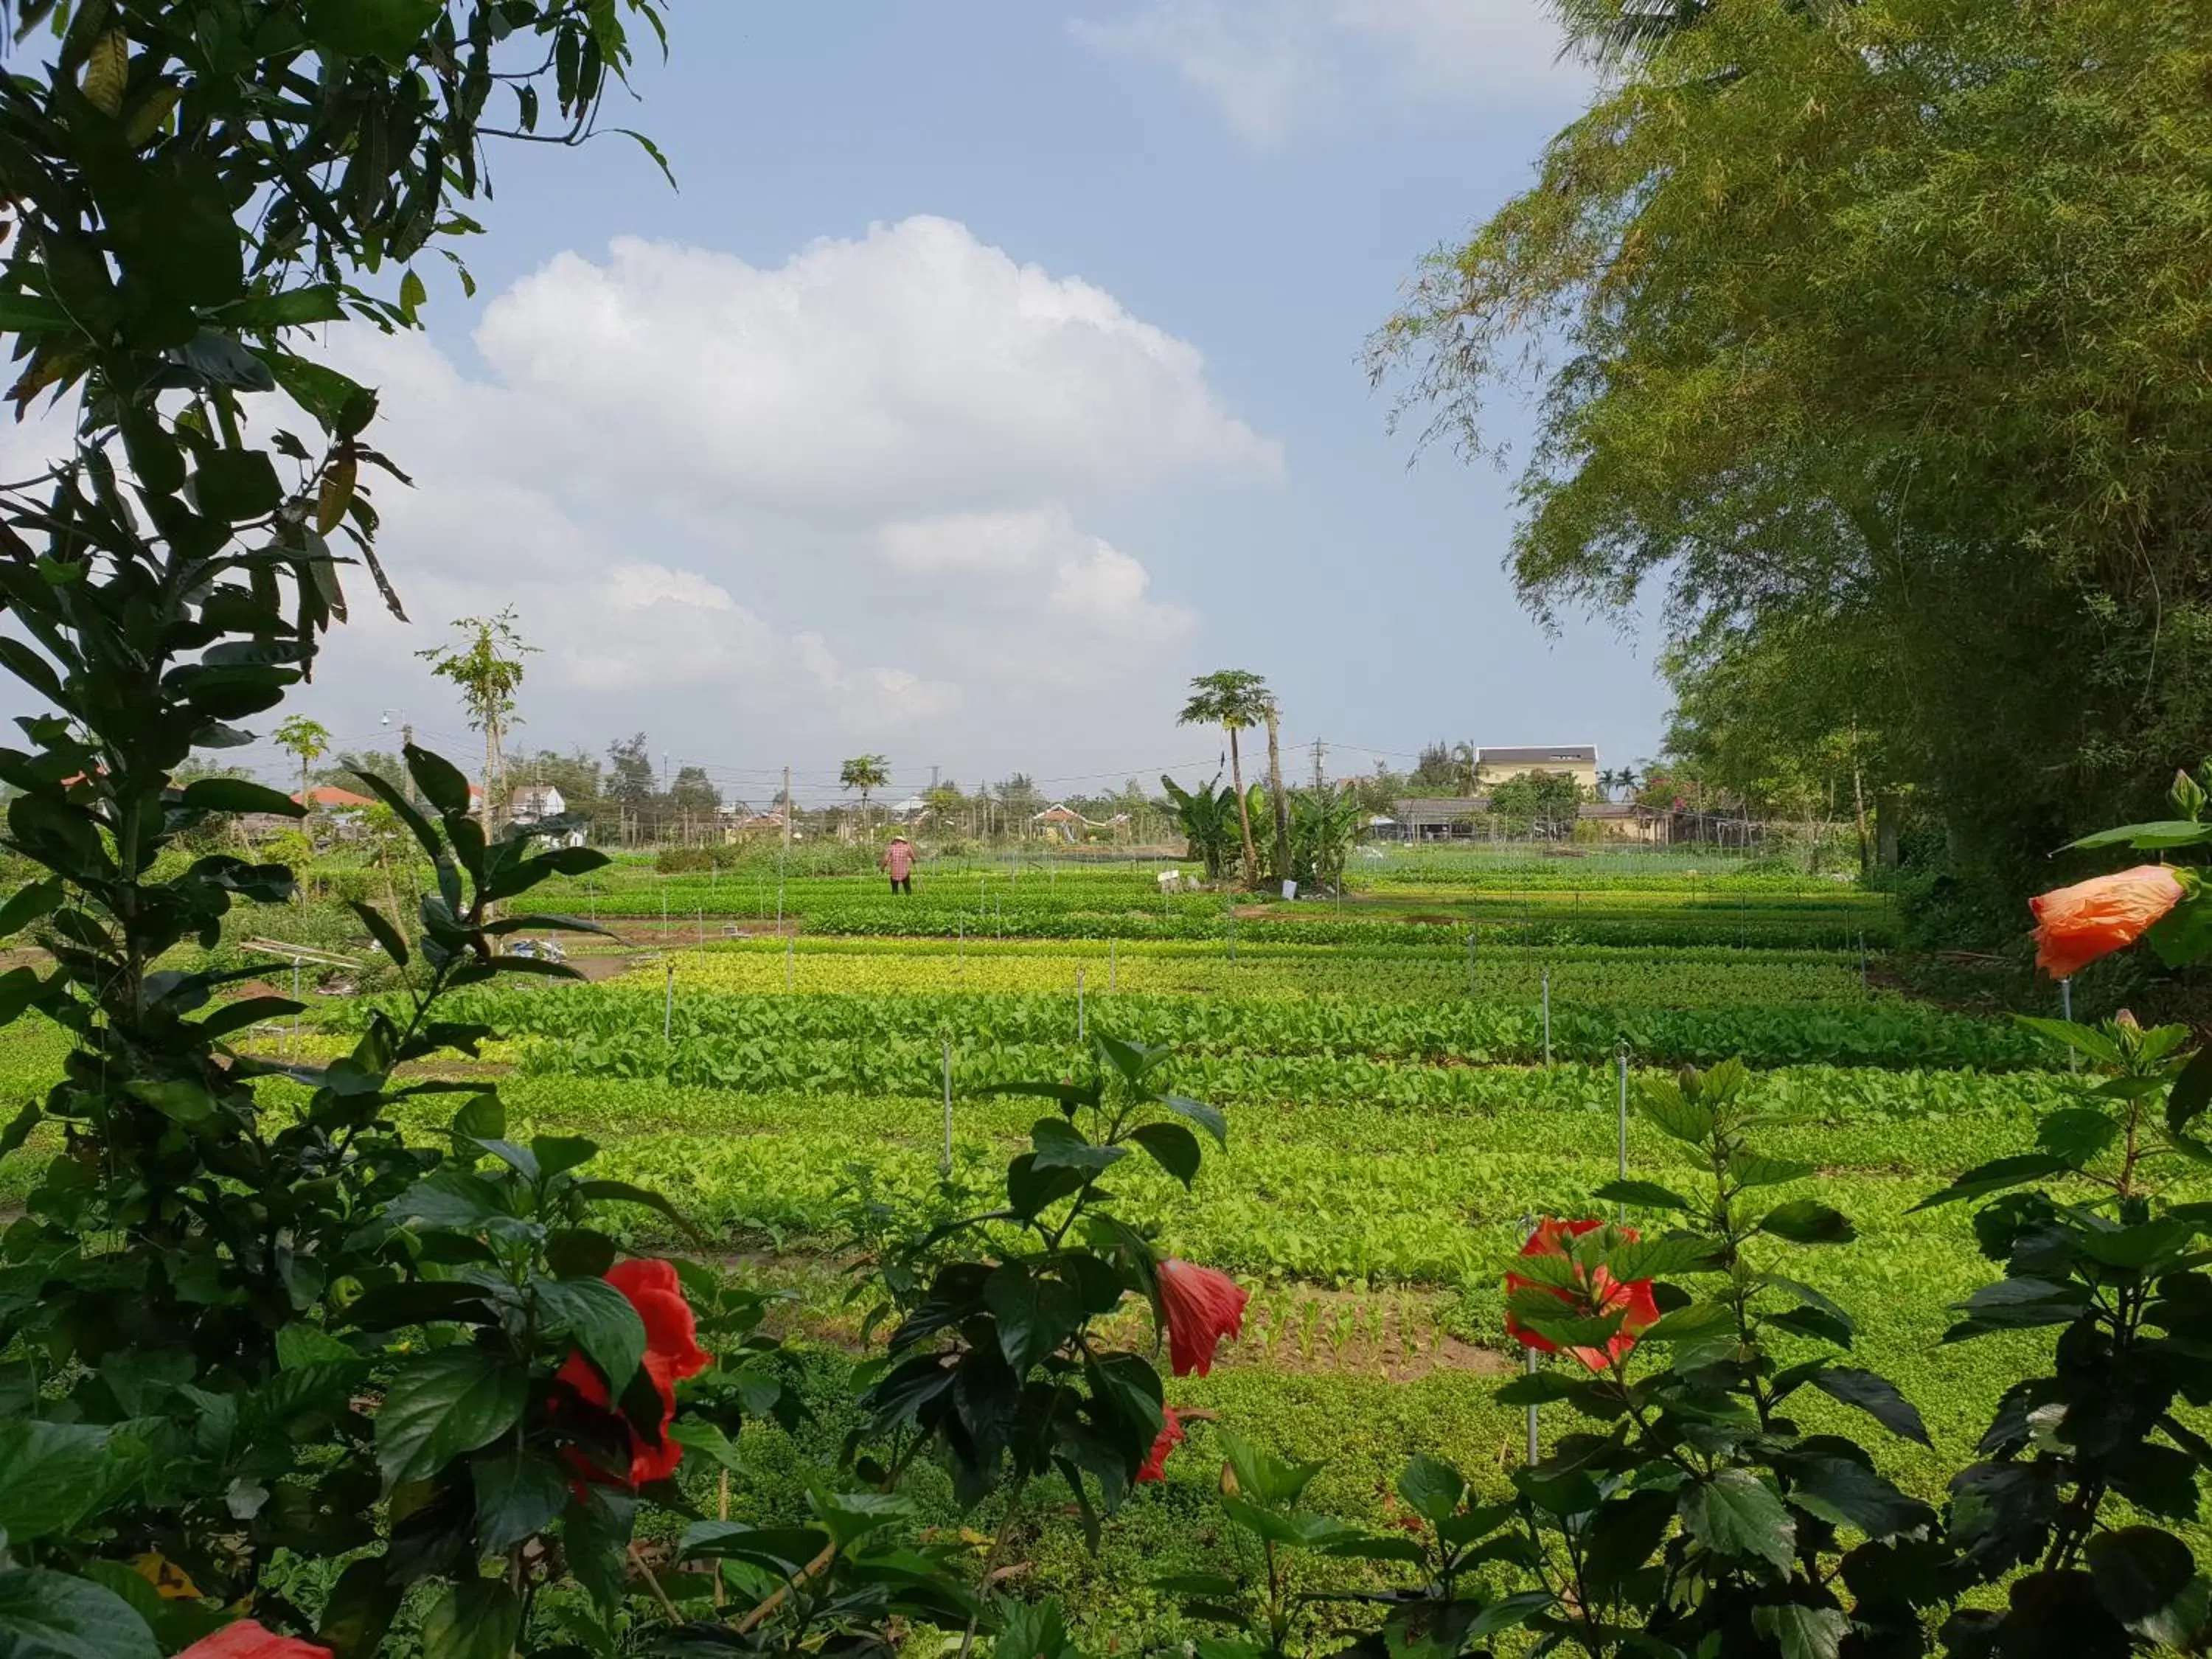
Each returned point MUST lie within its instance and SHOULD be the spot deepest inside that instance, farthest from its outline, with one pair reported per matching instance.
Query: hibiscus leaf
(1733, 1513)
(441, 1404)
(599, 1320)
(1645, 1194)
(518, 1496)
(1995, 1177)
(58, 1615)
(1846, 1494)
(1173, 1147)
(1877, 1396)
(1808, 1221)
(1802, 1631)
(2192, 1091)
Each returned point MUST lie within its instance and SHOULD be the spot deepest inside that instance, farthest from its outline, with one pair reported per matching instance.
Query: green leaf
(29, 903)
(1035, 1314)
(246, 1011)
(389, 29)
(237, 795)
(441, 782)
(1654, 1258)
(1619, 1538)
(2066, 1033)
(1806, 1221)
(1877, 1396)
(55, 1474)
(1208, 1118)
(1733, 1513)
(518, 1496)
(449, 1199)
(19, 1127)
(1432, 1489)
(52, 1615)
(476, 1618)
(296, 308)
(2146, 1579)
(1644, 1194)
(2192, 1091)
(359, 1609)
(178, 1098)
(600, 1320)
(2077, 1134)
(1803, 1632)
(381, 930)
(1995, 1177)
(441, 1404)
(2157, 835)
(1676, 1115)
(622, 1192)
(1173, 1147)
(2183, 936)
(1750, 1171)
(235, 485)
(1847, 1493)
(1060, 1146)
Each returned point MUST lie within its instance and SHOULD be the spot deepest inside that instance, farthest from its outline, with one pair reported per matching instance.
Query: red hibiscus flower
(1599, 1294)
(2076, 925)
(1170, 1437)
(246, 1639)
(672, 1354)
(1202, 1306)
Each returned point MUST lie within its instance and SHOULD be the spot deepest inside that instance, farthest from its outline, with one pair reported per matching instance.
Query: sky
(994, 368)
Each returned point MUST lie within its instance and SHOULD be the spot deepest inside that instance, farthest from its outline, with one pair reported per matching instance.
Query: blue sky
(995, 369)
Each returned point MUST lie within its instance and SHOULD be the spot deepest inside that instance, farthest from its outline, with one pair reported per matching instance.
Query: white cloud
(830, 501)
(1272, 66)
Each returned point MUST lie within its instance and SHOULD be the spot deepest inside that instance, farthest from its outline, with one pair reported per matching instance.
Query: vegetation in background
(1872, 333)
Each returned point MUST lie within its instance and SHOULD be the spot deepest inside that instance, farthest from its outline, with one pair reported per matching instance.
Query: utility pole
(1318, 784)
(932, 779)
(787, 810)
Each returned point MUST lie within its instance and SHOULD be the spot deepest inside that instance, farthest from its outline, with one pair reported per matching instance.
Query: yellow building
(1575, 760)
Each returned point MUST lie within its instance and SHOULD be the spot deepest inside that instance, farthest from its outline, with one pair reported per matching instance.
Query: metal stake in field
(668, 1008)
(2065, 1012)
(1547, 1016)
(292, 1041)
(1081, 1031)
(1620, 1057)
(1113, 965)
(945, 1164)
(1528, 1231)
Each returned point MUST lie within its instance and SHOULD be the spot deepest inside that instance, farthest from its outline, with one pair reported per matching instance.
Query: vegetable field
(1407, 1077)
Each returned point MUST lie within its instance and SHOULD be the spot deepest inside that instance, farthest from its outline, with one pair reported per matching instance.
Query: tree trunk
(1276, 799)
(491, 767)
(1858, 802)
(1243, 812)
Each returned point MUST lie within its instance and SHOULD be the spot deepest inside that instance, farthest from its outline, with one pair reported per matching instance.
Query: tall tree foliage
(1236, 699)
(189, 188)
(1885, 319)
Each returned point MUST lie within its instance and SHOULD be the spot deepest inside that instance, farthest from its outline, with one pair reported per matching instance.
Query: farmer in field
(898, 859)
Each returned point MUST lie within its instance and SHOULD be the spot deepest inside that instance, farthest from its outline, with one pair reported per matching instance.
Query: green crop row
(784, 1041)
(1737, 979)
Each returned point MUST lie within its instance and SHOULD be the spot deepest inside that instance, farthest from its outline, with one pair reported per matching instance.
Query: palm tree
(864, 773)
(1236, 701)
(307, 741)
